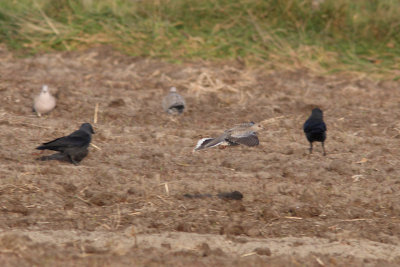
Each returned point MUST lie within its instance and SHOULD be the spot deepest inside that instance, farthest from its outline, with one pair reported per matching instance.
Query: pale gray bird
(44, 102)
(244, 133)
(173, 103)
(73, 147)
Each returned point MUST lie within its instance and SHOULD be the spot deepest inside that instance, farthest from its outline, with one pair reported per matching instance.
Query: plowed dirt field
(125, 205)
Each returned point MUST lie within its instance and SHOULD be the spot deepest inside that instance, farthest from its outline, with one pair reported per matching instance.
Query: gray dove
(173, 103)
(73, 147)
(244, 133)
(44, 102)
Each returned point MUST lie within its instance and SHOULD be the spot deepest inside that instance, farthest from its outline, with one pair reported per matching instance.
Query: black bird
(315, 129)
(73, 147)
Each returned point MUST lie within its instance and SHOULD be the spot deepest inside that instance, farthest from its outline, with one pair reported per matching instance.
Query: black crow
(73, 147)
(315, 129)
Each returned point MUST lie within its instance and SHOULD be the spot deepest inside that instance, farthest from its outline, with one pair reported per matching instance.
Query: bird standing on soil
(315, 129)
(73, 147)
(44, 102)
(245, 134)
(173, 103)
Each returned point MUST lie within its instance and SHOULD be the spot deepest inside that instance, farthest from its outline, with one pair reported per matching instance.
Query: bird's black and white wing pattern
(211, 142)
(173, 103)
(202, 143)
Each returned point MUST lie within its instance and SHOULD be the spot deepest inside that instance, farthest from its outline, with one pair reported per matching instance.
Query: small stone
(116, 103)
(70, 188)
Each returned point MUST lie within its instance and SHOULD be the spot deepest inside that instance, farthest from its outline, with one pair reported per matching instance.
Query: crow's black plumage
(73, 147)
(315, 129)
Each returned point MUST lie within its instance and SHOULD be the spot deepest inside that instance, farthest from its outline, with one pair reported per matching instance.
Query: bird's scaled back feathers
(249, 140)
(245, 134)
(44, 102)
(173, 103)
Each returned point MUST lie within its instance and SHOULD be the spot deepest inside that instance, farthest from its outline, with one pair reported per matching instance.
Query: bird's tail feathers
(176, 108)
(205, 143)
(49, 147)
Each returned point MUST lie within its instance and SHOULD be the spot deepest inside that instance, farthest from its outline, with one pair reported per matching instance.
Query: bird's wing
(307, 126)
(201, 144)
(247, 138)
(210, 142)
(76, 139)
(323, 126)
(313, 126)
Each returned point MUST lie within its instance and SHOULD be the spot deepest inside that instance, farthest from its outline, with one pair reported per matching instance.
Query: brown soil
(124, 204)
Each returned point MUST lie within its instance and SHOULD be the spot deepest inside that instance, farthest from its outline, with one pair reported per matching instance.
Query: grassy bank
(361, 35)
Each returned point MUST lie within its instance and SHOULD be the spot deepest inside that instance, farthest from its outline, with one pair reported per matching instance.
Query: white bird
(44, 102)
(244, 133)
(173, 103)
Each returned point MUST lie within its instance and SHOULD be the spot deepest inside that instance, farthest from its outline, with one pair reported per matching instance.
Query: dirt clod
(235, 195)
(263, 251)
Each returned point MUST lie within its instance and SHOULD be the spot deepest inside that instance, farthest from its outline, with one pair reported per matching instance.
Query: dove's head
(257, 127)
(173, 89)
(45, 89)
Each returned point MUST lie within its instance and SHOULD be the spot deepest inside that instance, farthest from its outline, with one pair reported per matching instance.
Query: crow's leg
(310, 147)
(72, 160)
(323, 148)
